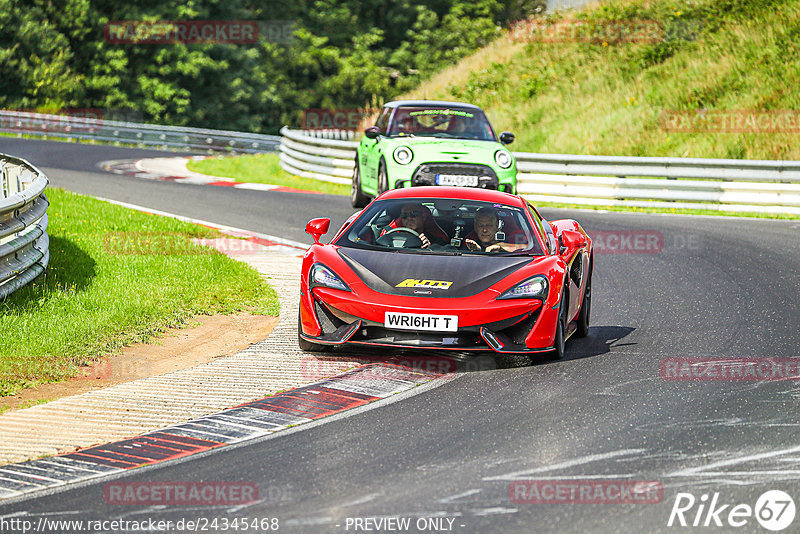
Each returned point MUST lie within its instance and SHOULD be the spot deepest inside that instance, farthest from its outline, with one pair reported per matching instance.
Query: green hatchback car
(429, 142)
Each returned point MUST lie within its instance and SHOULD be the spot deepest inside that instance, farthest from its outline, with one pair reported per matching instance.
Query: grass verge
(116, 276)
(262, 169)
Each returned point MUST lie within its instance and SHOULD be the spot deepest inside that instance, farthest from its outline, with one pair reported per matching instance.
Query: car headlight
(321, 276)
(403, 155)
(503, 159)
(532, 288)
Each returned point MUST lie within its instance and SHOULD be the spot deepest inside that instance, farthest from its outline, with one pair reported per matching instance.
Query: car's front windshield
(467, 123)
(442, 226)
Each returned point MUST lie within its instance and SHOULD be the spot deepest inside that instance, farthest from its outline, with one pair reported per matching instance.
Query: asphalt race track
(707, 288)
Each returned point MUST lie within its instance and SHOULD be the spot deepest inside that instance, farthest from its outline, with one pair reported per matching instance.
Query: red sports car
(447, 268)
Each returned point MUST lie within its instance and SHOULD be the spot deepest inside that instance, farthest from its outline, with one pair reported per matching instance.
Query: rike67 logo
(774, 510)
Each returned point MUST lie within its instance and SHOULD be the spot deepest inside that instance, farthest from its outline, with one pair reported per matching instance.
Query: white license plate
(460, 180)
(421, 321)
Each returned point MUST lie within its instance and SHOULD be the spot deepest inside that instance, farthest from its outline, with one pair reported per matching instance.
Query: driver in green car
(417, 217)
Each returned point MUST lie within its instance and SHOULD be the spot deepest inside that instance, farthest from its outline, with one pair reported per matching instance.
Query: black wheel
(586, 310)
(357, 198)
(308, 346)
(561, 328)
(383, 179)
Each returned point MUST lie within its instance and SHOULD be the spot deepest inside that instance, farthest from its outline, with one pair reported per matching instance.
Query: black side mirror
(372, 132)
(506, 138)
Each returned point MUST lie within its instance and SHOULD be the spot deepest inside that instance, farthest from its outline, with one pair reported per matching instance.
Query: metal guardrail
(24, 244)
(310, 156)
(133, 133)
(694, 183)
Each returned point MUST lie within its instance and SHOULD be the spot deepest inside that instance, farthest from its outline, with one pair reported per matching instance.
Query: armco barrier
(694, 183)
(133, 133)
(24, 245)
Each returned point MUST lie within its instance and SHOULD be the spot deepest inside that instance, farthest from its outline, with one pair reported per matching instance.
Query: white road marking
(705, 469)
(451, 498)
(569, 463)
(360, 500)
(497, 510)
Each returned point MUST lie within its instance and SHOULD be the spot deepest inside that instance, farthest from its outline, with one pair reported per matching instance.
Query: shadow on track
(599, 341)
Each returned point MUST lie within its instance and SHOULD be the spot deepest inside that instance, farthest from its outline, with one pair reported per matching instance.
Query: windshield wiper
(427, 251)
(519, 253)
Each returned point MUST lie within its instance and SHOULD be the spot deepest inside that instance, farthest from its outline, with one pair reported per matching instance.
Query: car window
(544, 230)
(450, 226)
(383, 119)
(452, 122)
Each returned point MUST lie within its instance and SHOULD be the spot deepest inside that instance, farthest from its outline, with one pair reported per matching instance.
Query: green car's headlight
(503, 159)
(532, 288)
(321, 276)
(403, 155)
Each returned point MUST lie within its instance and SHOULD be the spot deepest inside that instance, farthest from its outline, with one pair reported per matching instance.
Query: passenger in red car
(484, 236)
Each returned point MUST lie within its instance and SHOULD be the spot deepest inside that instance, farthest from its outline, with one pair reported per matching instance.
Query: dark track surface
(719, 287)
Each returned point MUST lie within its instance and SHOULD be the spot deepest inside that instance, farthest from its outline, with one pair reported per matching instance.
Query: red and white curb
(250, 420)
(175, 170)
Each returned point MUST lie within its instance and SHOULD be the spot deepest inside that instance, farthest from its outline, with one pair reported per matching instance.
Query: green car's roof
(423, 103)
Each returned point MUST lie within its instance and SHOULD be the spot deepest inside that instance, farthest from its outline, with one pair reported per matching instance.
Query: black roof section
(432, 103)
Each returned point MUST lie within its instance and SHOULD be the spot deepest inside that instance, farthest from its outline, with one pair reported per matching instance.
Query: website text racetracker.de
(45, 525)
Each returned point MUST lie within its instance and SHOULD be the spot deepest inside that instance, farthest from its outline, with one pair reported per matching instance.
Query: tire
(308, 346)
(586, 310)
(383, 179)
(561, 328)
(357, 198)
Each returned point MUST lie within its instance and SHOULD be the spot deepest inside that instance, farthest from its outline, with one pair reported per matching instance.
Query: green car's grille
(426, 174)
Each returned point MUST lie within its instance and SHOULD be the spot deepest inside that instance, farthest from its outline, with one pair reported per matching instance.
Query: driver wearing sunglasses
(418, 218)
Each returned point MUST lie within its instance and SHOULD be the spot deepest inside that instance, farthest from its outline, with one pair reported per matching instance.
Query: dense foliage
(344, 53)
